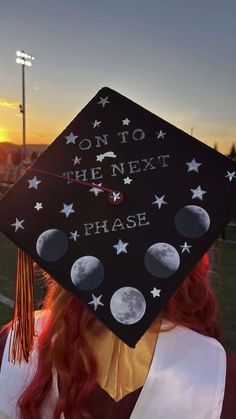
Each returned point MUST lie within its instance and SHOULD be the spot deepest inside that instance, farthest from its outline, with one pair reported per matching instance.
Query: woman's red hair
(62, 342)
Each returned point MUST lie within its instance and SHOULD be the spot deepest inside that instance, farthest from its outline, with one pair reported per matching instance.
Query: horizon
(179, 63)
(31, 145)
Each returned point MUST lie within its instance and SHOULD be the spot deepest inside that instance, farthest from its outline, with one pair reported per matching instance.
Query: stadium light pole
(25, 60)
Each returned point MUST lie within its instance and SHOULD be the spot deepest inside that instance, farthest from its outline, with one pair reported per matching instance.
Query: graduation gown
(190, 376)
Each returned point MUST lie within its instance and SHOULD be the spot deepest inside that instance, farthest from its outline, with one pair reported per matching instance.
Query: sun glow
(3, 135)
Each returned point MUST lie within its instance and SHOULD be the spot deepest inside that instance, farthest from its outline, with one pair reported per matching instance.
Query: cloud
(9, 104)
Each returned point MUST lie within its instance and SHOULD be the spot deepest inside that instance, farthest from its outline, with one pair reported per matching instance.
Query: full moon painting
(161, 260)
(128, 305)
(87, 273)
(192, 221)
(52, 245)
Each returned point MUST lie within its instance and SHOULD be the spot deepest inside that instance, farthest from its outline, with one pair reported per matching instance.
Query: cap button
(115, 198)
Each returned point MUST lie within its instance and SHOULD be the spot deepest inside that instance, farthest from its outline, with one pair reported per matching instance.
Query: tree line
(14, 157)
(232, 151)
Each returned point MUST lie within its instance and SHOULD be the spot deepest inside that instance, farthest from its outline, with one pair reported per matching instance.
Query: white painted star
(193, 165)
(185, 247)
(120, 247)
(33, 183)
(95, 190)
(74, 235)
(198, 193)
(38, 206)
(161, 134)
(230, 175)
(155, 292)
(77, 160)
(70, 139)
(125, 121)
(103, 101)
(100, 157)
(127, 180)
(116, 196)
(67, 209)
(159, 201)
(96, 301)
(96, 123)
(18, 224)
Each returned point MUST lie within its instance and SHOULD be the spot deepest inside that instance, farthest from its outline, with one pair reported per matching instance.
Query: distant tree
(9, 158)
(16, 158)
(232, 153)
(3, 156)
(216, 146)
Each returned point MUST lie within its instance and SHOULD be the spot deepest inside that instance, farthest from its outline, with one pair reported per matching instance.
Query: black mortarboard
(152, 201)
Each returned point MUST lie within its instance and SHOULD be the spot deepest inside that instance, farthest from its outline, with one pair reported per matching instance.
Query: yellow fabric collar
(121, 369)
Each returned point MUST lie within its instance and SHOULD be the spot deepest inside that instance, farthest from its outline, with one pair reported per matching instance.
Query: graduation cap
(118, 210)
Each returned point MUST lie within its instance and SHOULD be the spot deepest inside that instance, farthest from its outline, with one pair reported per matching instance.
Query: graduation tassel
(22, 332)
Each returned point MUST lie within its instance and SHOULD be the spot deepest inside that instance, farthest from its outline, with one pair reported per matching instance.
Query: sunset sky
(175, 57)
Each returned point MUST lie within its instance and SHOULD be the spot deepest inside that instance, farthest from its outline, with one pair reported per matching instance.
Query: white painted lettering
(142, 219)
(101, 226)
(162, 160)
(68, 175)
(138, 134)
(134, 166)
(123, 135)
(131, 221)
(149, 165)
(88, 227)
(101, 139)
(81, 175)
(95, 173)
(115, 168)
(85, 144)
(118, 225)
(109, 226)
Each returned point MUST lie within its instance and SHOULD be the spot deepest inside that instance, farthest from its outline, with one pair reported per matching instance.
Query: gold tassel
(22, 332)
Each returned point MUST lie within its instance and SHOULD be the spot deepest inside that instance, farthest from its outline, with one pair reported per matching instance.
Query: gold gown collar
(121, 369)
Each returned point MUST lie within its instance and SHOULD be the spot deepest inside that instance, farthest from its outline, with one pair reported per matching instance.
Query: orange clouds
(9, 104)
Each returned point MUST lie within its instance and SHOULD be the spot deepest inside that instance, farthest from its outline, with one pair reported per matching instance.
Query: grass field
(223, 281)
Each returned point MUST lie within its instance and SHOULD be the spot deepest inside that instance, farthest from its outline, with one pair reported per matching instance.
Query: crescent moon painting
(87, 273)
(192, 221)
(161, 260)
(128, 305)
(52, 245)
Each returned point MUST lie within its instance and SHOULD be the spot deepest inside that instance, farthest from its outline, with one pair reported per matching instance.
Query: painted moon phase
(52, 244)
(87, 273)
(192, 221)
(161, 260)
(127, 305)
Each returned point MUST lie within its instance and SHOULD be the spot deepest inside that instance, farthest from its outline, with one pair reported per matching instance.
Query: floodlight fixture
(24, 58)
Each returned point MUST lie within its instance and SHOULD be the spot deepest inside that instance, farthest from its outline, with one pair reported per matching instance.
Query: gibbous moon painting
(52, 245)
(87, 273)
(192, 221)
(128, 305)
(161, 260)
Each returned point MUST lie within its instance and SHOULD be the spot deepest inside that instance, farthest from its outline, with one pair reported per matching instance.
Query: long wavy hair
(62, 342)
